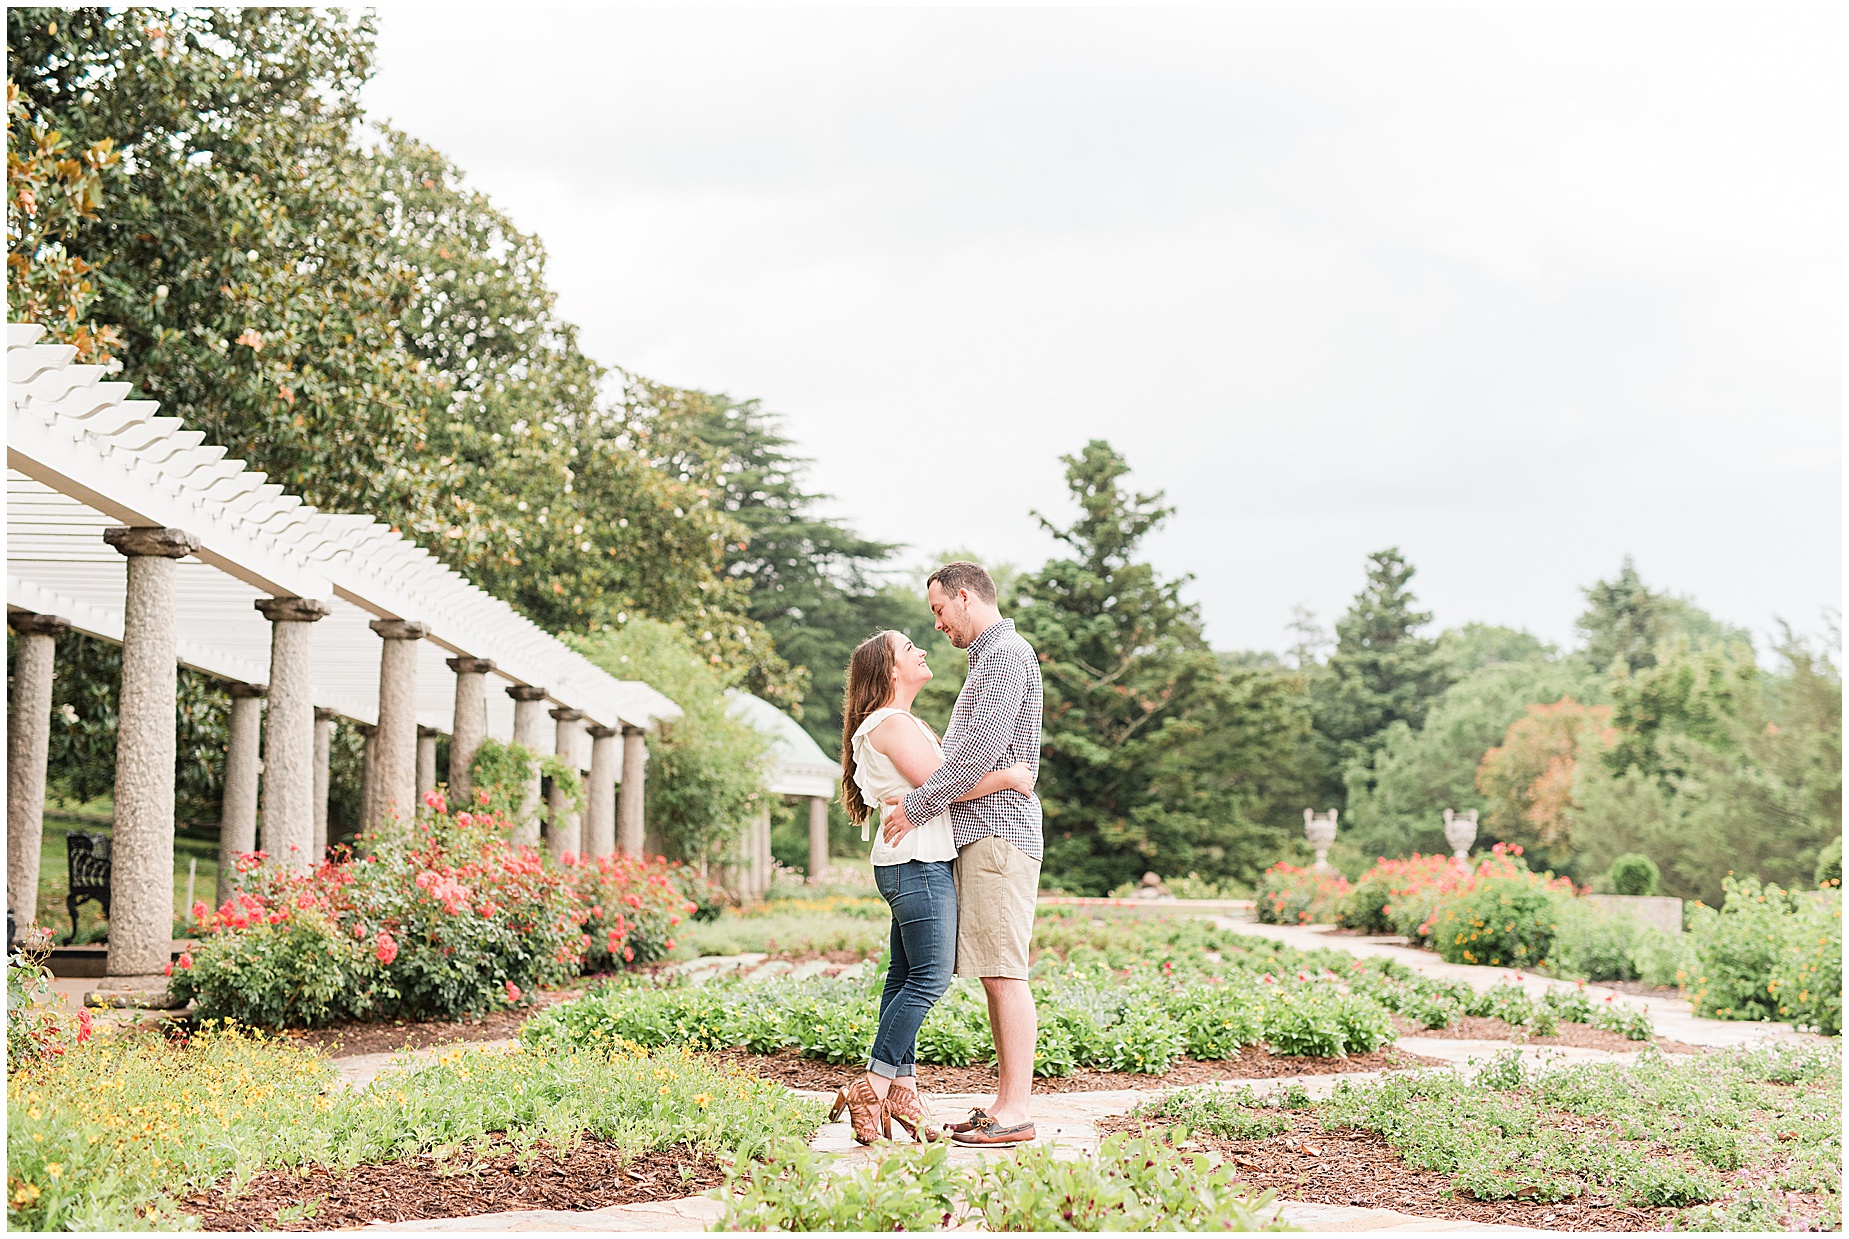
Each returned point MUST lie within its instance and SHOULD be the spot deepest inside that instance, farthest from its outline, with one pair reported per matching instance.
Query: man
(995, 724)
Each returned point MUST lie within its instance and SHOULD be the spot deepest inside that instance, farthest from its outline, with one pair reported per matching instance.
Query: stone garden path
(1069, 1121)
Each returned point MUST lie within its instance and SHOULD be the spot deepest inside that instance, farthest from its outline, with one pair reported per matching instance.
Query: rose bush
(1394, 890)
(439, 918)
(1288, 895)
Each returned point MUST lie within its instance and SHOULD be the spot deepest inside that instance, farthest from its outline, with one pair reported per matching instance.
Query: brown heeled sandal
(864, 1110)
(905, 1106)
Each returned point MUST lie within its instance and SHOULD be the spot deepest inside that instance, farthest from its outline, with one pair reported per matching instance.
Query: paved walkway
(1673, 1017)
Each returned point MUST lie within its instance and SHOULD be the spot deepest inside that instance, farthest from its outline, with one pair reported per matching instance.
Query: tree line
(196, 197)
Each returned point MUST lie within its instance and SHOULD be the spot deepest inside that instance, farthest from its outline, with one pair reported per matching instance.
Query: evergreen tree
(1382, 671)
(815, 586)
(1129, 682)
(1627, 620)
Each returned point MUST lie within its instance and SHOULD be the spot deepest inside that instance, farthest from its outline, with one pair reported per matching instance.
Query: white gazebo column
(759, 852)
(629, 800)
(237, 818)
(600, 793)
(394, 775)
(530, 732)
(564, 827)
(818, 838)
(28, 745)
(324, 753)
(470, 726)
(141, 883)
(289, 735)
(369, 770)
(426, 761)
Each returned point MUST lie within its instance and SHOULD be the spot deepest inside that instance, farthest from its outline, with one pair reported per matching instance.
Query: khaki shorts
(996, 886)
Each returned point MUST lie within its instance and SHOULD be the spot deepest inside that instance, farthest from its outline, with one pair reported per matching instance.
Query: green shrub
(1503, 915)
(1767, 954)
(1132, 1183)
(1303, 1023)
(301, 972)
(1807, 977)
(832, 1021)
(1830, 865)
(1219, 1020)
(1382, 897)
(1634, 874)
(1144, 1039)
(1214, 1111)
(956, 1032)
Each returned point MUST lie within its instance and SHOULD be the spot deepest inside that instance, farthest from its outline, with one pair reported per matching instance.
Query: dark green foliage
(1830, 864)
(1635, 874)
(1625, 620)
(1139, 720)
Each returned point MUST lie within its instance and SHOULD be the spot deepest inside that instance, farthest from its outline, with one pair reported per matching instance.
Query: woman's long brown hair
(869, 686)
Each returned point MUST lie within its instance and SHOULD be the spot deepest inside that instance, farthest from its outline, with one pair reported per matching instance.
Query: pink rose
(388, 950)
(513, 993)
(186, 959)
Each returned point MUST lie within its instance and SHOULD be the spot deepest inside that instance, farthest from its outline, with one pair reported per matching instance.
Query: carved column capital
(32, 624)
(462, 664)
(325, 714)
(249, 690)
(598, 732)
(526, 692)
(293, 610)
(151, 540)
(400, 630)
(565, 714)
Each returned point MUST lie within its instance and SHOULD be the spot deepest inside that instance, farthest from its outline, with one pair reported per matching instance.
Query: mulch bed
(789, 1067)
(359, 1037)
(1352, 1167)
(592, 1174)
(1582, 1036)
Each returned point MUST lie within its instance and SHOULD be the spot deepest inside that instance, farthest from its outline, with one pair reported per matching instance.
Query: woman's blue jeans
(923, 895)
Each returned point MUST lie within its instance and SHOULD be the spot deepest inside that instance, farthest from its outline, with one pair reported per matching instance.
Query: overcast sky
(1517, 292)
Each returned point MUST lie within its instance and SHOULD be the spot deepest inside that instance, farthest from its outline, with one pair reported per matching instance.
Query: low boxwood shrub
(1634, 874)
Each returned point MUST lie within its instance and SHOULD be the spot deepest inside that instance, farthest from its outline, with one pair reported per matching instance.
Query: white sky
(1518, 292)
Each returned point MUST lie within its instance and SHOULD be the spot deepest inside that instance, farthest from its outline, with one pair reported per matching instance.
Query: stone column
(470, 726)
(426, 761)
(237, 818)
(818, 837)
(760, 852)
(600, 793)
(630, 799)
(565, 822)
(28, 747)
(289, 737)
(141, 886)
(324, 752)
(529, 730)
(369, 770)
(394, 795)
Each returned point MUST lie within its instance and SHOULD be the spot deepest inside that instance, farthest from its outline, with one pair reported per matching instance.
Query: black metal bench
(90, 873)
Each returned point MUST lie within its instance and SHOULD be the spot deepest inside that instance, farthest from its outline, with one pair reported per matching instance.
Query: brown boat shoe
(984, 1131)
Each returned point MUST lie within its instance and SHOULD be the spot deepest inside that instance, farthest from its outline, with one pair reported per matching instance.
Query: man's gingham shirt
(995, 724)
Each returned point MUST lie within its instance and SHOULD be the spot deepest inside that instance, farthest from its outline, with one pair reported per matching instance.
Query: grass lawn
(793, 926)
(190, 843)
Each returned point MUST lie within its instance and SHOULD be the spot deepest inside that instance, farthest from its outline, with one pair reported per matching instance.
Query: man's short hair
(964, 575)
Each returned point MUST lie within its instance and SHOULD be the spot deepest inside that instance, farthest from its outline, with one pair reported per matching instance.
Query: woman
(887, 751)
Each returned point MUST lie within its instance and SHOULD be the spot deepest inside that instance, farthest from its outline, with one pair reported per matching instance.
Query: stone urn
(1319, 829)
(1460, 832)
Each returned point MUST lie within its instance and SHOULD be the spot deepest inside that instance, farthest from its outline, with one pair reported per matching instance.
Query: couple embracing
(958, 853)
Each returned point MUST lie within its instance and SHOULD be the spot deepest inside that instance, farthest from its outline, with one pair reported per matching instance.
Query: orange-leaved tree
(1528, 778)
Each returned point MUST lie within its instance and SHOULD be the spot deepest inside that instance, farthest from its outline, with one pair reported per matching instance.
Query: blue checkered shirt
(995, 724)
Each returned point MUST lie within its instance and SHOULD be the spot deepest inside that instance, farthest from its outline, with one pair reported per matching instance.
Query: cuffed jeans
(923, 895)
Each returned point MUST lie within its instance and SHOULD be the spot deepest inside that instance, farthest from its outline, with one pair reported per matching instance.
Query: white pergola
(359, 623)
(797, 766)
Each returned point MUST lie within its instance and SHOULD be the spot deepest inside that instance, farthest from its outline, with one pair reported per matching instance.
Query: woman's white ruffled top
(878, 778)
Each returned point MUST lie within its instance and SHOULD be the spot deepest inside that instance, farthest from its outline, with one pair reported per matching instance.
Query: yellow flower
(55, 1170)
(665, 1090)
(701, 1099)
(32, 1113)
